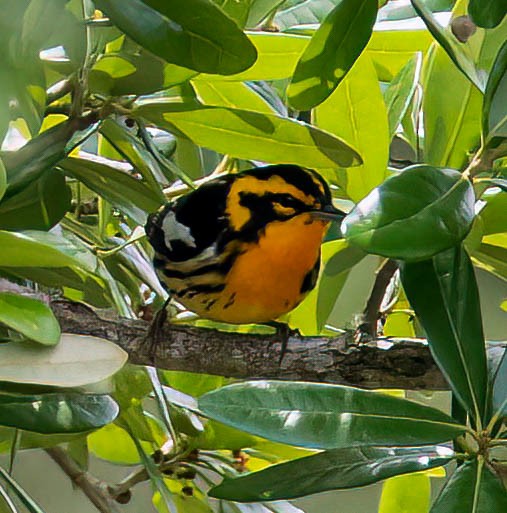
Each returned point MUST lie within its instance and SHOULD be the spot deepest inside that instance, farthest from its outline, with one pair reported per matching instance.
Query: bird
(244, 248)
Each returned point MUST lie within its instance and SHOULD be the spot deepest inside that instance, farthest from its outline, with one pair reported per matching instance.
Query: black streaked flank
(310, 279)
(192, 291)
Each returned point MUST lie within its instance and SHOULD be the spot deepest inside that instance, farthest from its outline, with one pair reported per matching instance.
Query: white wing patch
(173, 230)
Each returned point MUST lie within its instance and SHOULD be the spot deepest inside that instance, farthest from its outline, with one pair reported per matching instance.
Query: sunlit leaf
(29, 316)
(252, 135)
(332, 51)
(362, 123)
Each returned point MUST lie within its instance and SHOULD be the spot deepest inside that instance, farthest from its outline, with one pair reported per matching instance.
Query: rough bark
(379, 364)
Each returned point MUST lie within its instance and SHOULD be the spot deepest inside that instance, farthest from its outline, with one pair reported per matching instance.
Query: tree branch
(93, 488)
(378, 364)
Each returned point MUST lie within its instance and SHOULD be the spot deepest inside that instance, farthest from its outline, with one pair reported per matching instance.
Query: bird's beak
(328, 213)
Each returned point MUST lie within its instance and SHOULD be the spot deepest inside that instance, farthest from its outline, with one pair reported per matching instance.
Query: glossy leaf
(494, 113)
(251, 135)
(325, 416)
(450, 45)
(77, 360)
(39, 206)
(473, 488)
(401, 91)
(29, 316)
(410, 493)
(487, 13)
(362, 123)
(391, 221)
(443, 292)
(332, 51)
(210, 42)
(124, 191)
(330, 470)
(57, 413)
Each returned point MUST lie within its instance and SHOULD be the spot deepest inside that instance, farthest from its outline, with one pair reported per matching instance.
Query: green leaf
(391, 49)
(452, 115)
(57, 413)
(326, 416)
(443, 292)
(124, 191)
(494, 109)
(277, 56)
(450, 45)
(332, 51)
(400, 92)
(236, 95)
(22, 495)
(499, 395)
(123, 73)
(330, 470)
(41, 249)
(333, 277)
(210, 42)
(362, 123)
(23, 93)
(410, 493)
(44, 152)
(259, 9)
(39, 206)
(391, 221)
(487, 13)
(238, 11)
(303, 12)
(30, 317)
(6, 504)
(251, 135)
(78, 360)
(136, 153)
(113, 443)
(3, 179)
(473, 488)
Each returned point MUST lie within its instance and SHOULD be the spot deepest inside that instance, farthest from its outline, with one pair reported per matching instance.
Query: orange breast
(265, 281)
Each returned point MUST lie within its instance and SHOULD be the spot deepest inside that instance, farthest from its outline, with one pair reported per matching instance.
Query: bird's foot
(154, 336)
(283, 333)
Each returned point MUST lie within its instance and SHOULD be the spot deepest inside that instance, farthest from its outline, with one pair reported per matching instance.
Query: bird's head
(278, 193)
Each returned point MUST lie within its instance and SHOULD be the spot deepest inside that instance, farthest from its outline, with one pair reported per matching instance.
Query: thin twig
(95, 489)
(371, 312)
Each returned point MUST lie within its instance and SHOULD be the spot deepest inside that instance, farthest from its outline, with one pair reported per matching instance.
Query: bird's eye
(288, 200)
